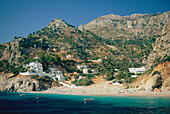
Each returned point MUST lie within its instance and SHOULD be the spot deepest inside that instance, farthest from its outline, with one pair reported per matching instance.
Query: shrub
(155, 72)
(130, 80)
(83, 82)
(168, 58)
(110, 77)
(67, 78)
(89, 76)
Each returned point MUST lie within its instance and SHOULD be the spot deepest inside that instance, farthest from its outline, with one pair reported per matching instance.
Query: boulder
(157, 90)
(166, 84)
(153, 82)
(21, 84)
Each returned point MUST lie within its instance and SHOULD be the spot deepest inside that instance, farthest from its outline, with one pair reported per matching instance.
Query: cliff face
(135, 25)
(12, 52)
(161, 47)
(158, 78)
(20, 84)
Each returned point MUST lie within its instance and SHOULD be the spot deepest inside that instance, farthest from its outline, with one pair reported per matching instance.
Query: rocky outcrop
(13, 50)
(159, 78)
(20, 84)
(161, 48)
(22, 46)
(153, 82)
(110, 26)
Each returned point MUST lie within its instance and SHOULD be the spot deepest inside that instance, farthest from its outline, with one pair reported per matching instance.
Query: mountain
(132, 36)
(158, 64)
(133, 26)
(119, 42)
(58, 34)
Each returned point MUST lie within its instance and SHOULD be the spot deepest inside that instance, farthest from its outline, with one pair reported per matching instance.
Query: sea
(14, 102)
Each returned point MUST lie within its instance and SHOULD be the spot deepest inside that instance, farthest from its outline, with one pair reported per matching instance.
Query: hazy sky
(21, 17)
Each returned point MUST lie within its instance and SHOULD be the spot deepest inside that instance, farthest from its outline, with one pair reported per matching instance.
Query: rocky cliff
(114, 26)
(21, 84)
(160, 75)
(161, 48)
(158, 78)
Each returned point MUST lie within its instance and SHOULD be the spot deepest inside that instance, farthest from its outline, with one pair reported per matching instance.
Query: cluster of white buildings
(136, 71)
(86, 70)
(36, 68)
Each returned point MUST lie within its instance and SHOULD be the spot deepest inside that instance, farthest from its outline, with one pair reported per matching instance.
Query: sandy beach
(104, 89)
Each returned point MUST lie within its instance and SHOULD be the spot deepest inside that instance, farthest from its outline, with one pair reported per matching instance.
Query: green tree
(120, 75)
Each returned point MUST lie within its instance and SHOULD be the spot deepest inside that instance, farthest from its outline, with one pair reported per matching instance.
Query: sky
(21, 17)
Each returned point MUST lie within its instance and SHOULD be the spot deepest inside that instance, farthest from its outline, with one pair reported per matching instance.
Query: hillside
(119, 42)
(158, 75)
(132, 36)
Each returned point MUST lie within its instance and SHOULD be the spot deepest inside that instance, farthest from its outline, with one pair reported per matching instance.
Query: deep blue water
(74, 104)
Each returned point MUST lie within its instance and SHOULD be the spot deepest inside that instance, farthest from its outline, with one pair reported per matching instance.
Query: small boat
(89, 99)
(22, 94)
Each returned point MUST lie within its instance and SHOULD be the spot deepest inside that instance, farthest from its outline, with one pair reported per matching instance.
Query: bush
(130, 80)
(168, 58)
(67, 78)
(155, 72)
(110, 77)
(89, 76)
(120, 75)
(83, 82)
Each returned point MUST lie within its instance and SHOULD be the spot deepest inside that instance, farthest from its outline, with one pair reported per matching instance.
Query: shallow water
(71, 104)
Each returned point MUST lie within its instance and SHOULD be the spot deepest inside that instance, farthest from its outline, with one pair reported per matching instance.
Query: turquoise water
(74, 104)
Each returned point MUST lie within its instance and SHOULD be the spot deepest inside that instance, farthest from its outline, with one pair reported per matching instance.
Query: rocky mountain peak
(112, 17)
(57, 23)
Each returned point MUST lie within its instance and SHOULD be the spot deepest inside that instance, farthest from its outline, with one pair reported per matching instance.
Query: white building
(99, 60)
(70, 56)
(35, 66)
(53, 70)
(86, 71)
(59, 76)
(137, 70)
(81, 66)
(94, 71)
(82, 77)
(134, 76)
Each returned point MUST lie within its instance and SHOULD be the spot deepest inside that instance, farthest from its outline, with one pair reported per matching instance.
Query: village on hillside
(36, 68)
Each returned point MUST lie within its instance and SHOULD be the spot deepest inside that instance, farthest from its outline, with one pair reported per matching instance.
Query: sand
(104, 89)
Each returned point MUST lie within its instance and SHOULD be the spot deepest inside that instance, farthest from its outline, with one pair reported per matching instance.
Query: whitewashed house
(35, 66)
(81, 77)
(53, 70)
(134, 76)
(94, 71)
(99, 60)
(70, 56)
(86, 71)
(137, 70)
(81, 66)
(59, 76)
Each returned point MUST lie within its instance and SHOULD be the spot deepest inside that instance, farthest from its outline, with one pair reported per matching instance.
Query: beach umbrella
(107, 90)
(100, 90)
(130, 91)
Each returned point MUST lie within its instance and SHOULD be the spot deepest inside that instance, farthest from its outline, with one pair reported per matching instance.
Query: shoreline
(142, 94)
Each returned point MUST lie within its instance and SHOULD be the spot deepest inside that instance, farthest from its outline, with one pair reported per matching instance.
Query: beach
(104, 89)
